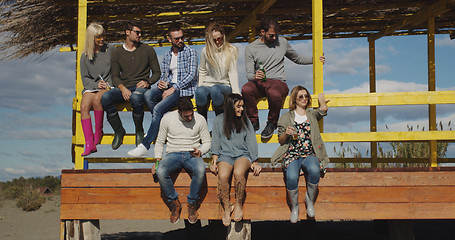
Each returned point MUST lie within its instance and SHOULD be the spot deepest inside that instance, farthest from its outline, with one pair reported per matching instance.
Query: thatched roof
(35, 26)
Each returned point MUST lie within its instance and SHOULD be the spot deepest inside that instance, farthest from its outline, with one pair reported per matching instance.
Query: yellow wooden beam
(353, 100)
(422, 16)
(391, 98)
(388, 136)
(250, 20)
(81, 30)
(129, 139)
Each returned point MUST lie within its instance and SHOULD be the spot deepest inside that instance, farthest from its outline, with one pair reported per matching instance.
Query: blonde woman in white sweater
(218, 75)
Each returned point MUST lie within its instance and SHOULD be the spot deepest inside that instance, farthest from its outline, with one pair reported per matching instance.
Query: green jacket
(318, 144)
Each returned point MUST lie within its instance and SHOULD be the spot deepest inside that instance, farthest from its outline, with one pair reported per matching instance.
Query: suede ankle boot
(192, 212)
(119, 131)
(99, 119)
(90, 147)
(175, 208)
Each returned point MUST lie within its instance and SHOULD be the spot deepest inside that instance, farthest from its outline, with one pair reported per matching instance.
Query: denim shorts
(231, 160)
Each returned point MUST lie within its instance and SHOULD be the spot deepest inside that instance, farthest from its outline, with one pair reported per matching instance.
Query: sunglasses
(301, 97)
(137, 32)
(179, 38)
(218, 39)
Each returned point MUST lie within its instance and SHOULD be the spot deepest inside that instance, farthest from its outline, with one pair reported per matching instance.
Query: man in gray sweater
(188, 138)
(131, 65)
(264, 62)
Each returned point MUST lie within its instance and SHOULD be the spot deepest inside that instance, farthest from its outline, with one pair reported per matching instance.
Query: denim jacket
(318, 144)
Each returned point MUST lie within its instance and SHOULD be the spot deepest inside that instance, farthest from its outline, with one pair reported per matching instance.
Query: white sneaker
(139, 151)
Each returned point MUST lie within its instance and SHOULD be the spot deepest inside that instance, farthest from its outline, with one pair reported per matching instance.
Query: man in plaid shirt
(178, 79)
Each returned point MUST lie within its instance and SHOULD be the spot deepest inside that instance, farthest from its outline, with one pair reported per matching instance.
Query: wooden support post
(81, 29)
(236, 231)
(80, 230)
(239, 230)
(317, 25)
(373, 122)
(432, 87)
(91, 230)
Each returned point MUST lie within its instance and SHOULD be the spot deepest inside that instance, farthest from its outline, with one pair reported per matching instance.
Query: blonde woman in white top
(217, 71)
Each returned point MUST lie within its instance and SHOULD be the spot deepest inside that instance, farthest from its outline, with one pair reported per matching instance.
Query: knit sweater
(240, 144)
(129, 68)
(182, 136)
(209, 77)
(91, 70)
(272, 57)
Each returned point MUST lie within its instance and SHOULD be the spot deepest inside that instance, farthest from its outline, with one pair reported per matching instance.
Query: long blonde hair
(228, 50)
(94, 29)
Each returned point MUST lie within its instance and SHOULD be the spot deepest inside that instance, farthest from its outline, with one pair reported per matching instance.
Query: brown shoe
(192, 213)
(176, 208)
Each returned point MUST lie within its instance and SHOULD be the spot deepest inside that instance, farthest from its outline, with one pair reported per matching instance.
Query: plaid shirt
(187, 71)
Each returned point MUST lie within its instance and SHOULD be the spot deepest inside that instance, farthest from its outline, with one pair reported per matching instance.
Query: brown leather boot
(176, 208)
(239, 199)
(224, 195)
(192, 213)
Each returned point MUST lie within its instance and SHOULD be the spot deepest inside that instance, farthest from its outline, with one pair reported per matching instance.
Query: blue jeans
(158, 107)
(216, 93)
(310, 166)
(174, 162)
(113, 96)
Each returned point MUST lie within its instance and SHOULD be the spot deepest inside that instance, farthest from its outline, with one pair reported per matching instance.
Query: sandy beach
(44, 224)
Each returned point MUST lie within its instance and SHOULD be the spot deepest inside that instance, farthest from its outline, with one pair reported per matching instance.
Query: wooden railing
(337, 100)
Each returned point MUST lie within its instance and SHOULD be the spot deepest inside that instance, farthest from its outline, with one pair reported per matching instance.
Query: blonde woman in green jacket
(301, 147)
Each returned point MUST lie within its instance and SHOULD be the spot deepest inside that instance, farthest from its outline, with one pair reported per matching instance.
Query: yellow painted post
(317, 30)
(317, 46)
(432, 87)
(373, 122)
(81, 28)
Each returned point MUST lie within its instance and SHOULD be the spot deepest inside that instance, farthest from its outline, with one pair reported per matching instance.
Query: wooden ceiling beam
(420, 17)
(250, 20)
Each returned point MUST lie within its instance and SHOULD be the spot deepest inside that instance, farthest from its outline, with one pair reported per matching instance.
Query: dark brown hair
(270, 22)
(231, 121)
(174, 27)
(131, 24)
(185, 104)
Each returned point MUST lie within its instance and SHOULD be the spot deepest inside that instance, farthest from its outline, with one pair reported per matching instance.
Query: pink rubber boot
(90, 147)
(99, 118)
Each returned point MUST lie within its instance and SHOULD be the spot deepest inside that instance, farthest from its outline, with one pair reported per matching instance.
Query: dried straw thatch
(35, 26)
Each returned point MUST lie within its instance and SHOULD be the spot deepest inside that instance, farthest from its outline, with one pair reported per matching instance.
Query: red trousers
(275, 91)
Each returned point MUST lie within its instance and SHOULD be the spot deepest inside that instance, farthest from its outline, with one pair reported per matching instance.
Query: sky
(37, 92)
